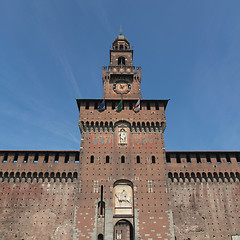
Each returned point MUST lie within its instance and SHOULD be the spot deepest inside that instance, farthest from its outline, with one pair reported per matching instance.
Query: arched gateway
(123, 230)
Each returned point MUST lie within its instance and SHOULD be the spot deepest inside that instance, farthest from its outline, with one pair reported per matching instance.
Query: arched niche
(123, 198)
(122, 130)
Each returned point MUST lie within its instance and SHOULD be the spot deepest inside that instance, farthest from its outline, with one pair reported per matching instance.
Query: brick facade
(122, 184)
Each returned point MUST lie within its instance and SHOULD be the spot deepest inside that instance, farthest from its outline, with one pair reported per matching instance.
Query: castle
(122, 184)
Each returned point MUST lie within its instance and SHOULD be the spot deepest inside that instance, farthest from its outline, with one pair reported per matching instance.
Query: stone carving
(123, 136)
(123, 197)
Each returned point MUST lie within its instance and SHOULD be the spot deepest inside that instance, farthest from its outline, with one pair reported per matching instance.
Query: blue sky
(52, 52)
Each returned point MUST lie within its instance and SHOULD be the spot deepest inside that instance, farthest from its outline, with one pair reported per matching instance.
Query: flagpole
(122, 99)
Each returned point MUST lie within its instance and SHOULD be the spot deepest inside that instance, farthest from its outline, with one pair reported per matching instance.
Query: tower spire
(121, 30)
(121, 78)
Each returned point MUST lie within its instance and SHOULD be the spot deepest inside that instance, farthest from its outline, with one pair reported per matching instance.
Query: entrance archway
(123, 230)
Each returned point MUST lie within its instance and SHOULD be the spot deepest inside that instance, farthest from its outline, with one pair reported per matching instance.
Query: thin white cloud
(69, 74)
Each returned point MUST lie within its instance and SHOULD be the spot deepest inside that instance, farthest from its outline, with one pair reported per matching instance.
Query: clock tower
(121, 77)
(123, 191)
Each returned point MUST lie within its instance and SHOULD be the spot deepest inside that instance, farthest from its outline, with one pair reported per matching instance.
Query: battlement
(201, 157)
(39, 164)
(203, 166)
(150, 118)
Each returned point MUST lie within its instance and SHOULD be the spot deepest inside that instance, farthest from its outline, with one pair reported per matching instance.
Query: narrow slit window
(153, 159)
(148, 106)
(35, 158)
(56, 158)
(77, 158)
(66, 158)
(228, 158)
(198, 159)
(178, 158)
(130, 105)
(238, 158)
(5, 158)
(46, 158)
(92, 159)
(87, 105)
(208, 159)
(168, 159)
(113, 105)
(15, 158)
(107, 159)
(122, 159)
(25, 160)
(138, 159)
(218, 159)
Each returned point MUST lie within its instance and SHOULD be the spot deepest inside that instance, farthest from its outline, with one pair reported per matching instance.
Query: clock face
(122, 87)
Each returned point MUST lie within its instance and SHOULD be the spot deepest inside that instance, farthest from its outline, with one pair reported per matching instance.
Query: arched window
(153, 159)
(121, 61)
(122, 159)
(75, 175)
(92, 159)
(107, 159)
(138, 159)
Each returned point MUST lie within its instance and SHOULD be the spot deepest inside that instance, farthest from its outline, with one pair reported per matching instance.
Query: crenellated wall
(41, 192)
(204, 194)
